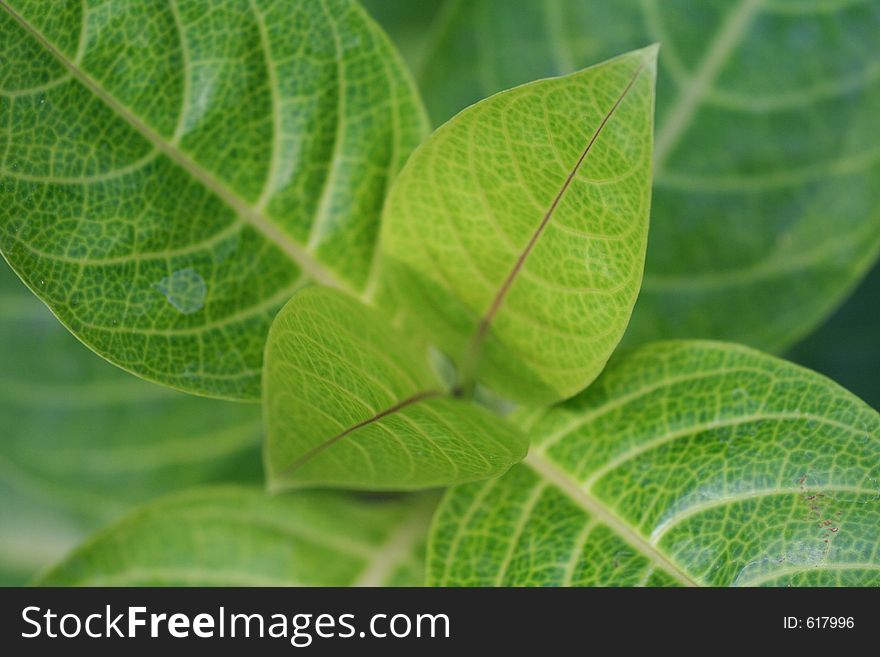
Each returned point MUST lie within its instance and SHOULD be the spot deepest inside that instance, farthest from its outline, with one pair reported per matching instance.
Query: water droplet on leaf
(185, 289)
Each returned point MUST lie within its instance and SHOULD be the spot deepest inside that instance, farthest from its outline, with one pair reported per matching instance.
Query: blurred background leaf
(407, 23)
(82, 441)
(239, 536)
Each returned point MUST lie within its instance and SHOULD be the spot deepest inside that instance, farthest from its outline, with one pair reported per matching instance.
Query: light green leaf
(235, 536)
(82, 442)
(516, 232)
(692, 463)
(172, 172)
(352, 402)
(766, 206)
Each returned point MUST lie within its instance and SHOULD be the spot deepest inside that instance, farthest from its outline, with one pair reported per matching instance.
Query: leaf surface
(352, 402)
(766, 204)
(237, 536)
(173, 171)
(516, 233)
(686, 463)
(81, 442)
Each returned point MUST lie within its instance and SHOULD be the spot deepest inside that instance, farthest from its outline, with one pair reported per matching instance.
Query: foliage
(240, 200)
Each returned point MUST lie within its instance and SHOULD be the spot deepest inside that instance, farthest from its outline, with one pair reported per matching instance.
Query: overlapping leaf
(685, 463)
(82, 442)
(172, 172)
(516, 232)
(231, 536)
(766, 206)
(352, 402)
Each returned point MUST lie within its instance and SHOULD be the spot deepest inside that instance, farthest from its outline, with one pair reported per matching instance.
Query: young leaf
(351, 402)
(82, 442)
(767, 157)
(687, 463)
(234, 536)
(172, 172)
(516, 233)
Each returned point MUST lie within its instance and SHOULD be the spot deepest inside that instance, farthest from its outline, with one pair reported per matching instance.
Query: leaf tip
(649, 56)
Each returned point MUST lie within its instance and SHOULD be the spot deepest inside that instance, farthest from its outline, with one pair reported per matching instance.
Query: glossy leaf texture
(766, 206)
(516, 233)
(81, 443)
(237, 536)
(686, 463)
(354, 403)
(173, 171)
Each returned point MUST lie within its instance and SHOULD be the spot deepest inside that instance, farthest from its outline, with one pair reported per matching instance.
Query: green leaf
(766, 206)
(405, 22)
(236, 536)
(352, 402)
(692, 463)
(516, 233)
(81, 442)
(172, 172)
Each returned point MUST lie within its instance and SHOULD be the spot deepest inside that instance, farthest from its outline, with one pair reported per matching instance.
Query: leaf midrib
(551, 473)
(679, 116)
(309, 265)
(474, 348)
(416, 398)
